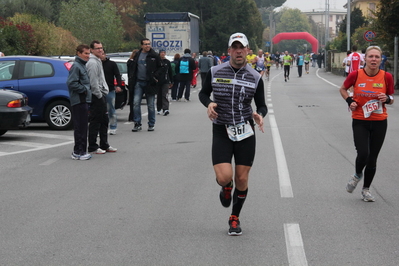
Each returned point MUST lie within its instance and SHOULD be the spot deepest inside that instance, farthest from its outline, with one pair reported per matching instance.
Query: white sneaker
(111, 149)
(99, 151)
(366, 195)
(112, 131)
(86, 156)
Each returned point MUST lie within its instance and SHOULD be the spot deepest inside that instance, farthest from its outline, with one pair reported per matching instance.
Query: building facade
(366, 6)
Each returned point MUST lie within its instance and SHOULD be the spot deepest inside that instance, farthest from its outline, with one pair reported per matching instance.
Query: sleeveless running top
(365, 94)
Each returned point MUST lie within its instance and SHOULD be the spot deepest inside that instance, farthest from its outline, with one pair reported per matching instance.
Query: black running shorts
(223, 149)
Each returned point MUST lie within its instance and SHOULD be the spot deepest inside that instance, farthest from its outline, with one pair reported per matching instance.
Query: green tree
(36, 7)
(386, 23)
(48, 39)
(268, 3)
(293, 20)
(15, 38)
(90, 20)
(357, 21)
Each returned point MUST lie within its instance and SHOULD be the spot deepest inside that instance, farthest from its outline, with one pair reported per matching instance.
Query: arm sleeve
(170, 73)
(94, 80)
(259, 98)
(350, 79)
(390, 83)
(205, 93)
(117, 75)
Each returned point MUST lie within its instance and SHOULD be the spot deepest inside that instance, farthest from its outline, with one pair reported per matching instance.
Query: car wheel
(58, 115)
(2, 132)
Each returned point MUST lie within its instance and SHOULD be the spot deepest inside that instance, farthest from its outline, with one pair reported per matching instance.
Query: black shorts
(223, 149)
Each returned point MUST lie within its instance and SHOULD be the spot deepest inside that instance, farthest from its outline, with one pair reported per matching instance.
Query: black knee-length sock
(238, 200)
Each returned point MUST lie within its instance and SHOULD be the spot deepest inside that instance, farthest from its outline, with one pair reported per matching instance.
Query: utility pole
(271, 29)
(348, 25)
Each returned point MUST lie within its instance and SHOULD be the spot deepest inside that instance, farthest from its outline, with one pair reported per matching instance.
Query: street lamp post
(348, 25)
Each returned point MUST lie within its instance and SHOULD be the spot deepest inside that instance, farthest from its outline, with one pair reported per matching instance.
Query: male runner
(234, 85)
(307, 61)
(287, 65)
(268, 62)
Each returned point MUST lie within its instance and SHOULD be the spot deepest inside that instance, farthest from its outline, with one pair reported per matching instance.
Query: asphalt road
(155, 201)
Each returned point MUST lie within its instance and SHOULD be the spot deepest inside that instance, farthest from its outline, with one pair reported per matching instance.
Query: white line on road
(294, 243)
(38, 148)
(317, 74)
(25, 144)
(282, 168)
(42, 135)
(51, 161)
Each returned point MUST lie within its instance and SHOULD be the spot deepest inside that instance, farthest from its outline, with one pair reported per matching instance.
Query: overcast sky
(307, 5)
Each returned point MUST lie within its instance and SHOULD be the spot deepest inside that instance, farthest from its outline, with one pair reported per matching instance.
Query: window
(6, 70)
(34, 69)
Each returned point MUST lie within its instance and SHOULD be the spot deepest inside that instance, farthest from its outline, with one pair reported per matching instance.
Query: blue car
(43, 80)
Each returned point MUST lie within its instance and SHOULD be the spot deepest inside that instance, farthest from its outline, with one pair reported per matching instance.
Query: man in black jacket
(185, 69)
(111, 72)
(165, 82)
(144, 78)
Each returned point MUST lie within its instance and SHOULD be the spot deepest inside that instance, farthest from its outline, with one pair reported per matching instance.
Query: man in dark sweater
(111, 72)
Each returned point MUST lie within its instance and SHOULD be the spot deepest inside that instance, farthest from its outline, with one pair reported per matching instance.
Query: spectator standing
(314, 59)
(204, 64)
(383, 60)
(80, 96)
(319, 56)
(195, 72)
(185, 67)
(98, 108)
(144, 78)
(111, 73)
(130, 85)
(175, 82)
(164, 83)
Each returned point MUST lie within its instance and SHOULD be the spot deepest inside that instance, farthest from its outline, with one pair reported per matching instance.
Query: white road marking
(41, 135)
(282, 168)
(51, 161)
(317, 74)
(24, 143)
(294, 244)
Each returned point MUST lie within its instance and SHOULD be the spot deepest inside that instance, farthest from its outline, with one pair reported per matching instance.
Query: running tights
(368, 138)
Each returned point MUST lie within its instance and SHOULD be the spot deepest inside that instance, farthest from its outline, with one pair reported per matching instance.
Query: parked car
(14, 110)
(43, 80)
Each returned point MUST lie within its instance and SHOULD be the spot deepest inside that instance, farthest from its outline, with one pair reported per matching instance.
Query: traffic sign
(267, 44)
(369, 35)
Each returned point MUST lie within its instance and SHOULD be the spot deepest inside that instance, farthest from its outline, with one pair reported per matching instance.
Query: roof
(169, 17)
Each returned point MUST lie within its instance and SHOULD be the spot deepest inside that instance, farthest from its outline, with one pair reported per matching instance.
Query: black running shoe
(225, 195)
(235, 228)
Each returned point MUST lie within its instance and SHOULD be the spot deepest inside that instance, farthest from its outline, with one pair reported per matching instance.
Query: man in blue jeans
(144, 78)
(111, 72)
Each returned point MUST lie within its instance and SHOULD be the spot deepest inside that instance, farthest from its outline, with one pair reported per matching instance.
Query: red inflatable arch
(296, 36)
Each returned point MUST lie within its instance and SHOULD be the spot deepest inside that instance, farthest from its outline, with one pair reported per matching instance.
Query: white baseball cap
(238, 37)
